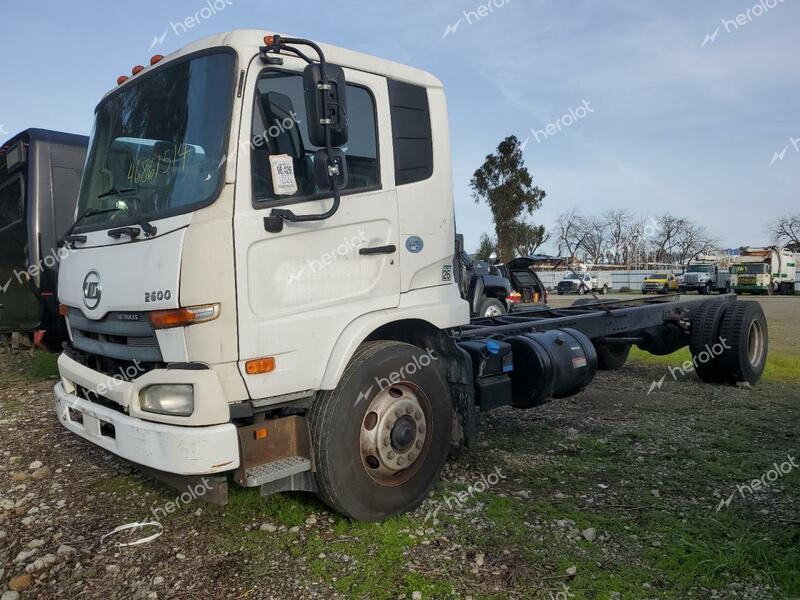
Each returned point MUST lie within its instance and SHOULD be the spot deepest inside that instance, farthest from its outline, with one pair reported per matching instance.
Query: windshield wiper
(147, 227)
(89, 212)
(116, 192)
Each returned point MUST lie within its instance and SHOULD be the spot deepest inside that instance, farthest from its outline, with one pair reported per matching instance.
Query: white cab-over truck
(262, 285)
(769, 271)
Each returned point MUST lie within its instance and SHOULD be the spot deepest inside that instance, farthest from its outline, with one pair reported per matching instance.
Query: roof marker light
(122, 79)
(156, 58)
(137, 69)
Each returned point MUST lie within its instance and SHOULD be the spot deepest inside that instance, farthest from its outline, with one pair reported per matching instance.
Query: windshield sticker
(283, 180)
(163, 161)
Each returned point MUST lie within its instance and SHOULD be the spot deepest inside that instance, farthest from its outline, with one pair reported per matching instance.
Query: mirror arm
(281, 43)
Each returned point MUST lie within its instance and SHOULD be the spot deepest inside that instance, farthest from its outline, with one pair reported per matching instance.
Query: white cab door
(298, 289)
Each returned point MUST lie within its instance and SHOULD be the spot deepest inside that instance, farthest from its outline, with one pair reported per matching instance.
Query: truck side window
(11, 203)
(279, 128)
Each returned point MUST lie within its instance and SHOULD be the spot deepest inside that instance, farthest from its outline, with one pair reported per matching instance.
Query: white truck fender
(426, 305)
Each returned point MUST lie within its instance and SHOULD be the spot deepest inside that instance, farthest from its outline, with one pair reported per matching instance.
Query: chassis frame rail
(596, 320)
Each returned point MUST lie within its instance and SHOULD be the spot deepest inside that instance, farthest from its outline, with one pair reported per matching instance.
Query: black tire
(744, 358)
(604, 291)
(705, 335)
(612, 357)
(337, 418)
(581, 291)
(494, 306)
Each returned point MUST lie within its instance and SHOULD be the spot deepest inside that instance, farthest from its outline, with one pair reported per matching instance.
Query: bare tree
(665, 239)
(617, 222)
(570, 231)
(786, 232)
(691, 239)
(595, 239)
(526, 238)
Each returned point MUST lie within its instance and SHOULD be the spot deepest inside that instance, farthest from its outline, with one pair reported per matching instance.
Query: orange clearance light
(122, 79)
(137, 69)
(260, 366)
(156, 58)
(182, 317)
(261, 434)
(269, 40)
(63, 310)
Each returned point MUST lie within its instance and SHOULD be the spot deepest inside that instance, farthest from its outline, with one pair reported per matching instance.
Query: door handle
(391, 249)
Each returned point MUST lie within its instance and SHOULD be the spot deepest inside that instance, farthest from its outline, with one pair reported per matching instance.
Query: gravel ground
(611, 494)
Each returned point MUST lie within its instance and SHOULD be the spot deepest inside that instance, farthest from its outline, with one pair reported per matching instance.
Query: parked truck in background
(704, 276)
(770, 270)
(278, 305)
(660, 283)
(584, 282)
(40, 173)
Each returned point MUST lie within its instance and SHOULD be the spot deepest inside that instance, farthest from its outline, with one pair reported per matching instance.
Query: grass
(781, 367)
(40, 366)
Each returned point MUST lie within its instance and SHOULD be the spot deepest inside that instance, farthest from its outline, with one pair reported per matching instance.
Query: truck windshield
(753, 269)
(698, 269)
(159, 144)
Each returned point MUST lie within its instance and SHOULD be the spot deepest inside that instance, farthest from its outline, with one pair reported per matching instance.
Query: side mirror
(315, 91)
(329, 168)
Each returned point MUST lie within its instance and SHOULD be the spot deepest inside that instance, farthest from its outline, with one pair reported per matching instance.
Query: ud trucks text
(264, 287)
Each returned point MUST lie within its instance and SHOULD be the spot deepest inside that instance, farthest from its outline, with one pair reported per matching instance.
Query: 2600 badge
(158, 296)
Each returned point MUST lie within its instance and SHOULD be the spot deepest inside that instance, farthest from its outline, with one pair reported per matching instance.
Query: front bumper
(170, 448)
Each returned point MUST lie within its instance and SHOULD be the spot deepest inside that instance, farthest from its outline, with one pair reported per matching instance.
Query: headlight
(175, 400)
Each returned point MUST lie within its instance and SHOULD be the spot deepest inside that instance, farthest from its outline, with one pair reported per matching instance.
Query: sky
(673, 106)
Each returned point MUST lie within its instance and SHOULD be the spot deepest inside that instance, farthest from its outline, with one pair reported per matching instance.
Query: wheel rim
(395, 434)
(493, 311)
(755, 344)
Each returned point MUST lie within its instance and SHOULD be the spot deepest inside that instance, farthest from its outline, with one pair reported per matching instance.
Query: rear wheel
(705, 343)
(612, 357)
(745, 337)
(492, 307)
(604, 291)
(381, 437)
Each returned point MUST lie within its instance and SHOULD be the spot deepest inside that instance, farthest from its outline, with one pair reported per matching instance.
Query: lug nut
(409, 410)
(418, 444)
(400, 460)
(418, 415)
(421, 429)
(390, 455)
(410, 456)
(397, 413)
(385, 441)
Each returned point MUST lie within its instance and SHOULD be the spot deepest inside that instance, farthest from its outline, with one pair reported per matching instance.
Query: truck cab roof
(248, 41)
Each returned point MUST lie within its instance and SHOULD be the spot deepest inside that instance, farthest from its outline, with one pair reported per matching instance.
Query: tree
(786, 232)
(526, 239)
(570, 232)
(485, 248)
(595, 239)
(617, 223)
(505, 184)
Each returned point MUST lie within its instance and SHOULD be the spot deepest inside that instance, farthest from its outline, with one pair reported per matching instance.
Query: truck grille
(117, 340)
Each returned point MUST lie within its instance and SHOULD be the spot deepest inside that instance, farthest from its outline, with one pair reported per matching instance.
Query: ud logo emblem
(92, 290)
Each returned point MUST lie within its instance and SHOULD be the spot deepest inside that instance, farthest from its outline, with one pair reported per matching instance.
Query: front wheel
(382, 436)
(492, 307)
(604, 291)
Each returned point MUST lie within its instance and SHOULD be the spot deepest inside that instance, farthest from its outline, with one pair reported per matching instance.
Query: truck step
(274, 471)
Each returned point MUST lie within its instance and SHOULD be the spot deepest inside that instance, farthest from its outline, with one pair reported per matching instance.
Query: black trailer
(40, 174)
(526, 358)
